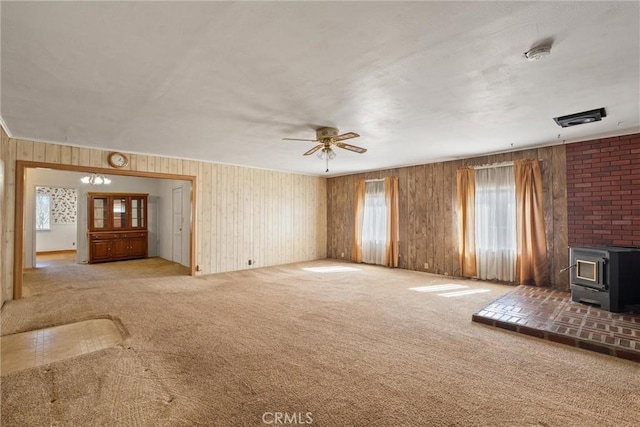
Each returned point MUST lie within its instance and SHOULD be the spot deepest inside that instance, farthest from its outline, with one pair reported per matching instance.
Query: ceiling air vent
(581, 118)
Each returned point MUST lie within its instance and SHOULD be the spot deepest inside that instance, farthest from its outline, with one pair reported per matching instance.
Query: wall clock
(118, 160)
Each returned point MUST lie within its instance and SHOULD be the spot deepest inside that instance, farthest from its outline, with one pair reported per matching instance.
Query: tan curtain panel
(356, 250)
(393, 228)
(466, 191)
(532, 267)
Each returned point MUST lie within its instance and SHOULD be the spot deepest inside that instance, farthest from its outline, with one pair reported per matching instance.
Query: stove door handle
(567, 268)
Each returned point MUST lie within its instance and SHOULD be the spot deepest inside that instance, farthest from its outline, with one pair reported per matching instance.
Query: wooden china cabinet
(117, 226)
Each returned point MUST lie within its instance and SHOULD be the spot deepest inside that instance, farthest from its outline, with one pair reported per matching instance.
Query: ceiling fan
(328, 136)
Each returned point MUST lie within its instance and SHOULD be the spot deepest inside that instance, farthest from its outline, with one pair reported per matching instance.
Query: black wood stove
(607, 276)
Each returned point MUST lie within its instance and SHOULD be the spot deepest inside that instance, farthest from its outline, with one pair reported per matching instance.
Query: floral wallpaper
(64, 203)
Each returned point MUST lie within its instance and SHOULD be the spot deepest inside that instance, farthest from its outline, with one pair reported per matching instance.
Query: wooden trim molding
(22, 166)
(18, 235)
(192, 263)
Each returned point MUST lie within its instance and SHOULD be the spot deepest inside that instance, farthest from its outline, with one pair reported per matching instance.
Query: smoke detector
(538, 52)
(581, 118)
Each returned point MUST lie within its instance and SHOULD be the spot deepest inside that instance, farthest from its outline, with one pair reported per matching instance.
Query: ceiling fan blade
(296, 139)
(344, 136)
(313, 150)
(351, 147)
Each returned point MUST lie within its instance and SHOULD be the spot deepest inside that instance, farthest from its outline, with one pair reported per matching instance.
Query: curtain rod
(374, 180)
(496, 165)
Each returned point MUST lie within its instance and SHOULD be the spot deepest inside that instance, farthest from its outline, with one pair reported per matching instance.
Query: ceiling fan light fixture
(95, 179)
(326, 137)
(326, 153)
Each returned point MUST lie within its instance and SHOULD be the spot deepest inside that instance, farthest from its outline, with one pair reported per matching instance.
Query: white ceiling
(221, 81)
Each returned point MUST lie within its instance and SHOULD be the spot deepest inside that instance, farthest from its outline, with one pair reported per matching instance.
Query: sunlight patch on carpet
(438, 288)
(456, 290)
(463, 293)
(331, 269)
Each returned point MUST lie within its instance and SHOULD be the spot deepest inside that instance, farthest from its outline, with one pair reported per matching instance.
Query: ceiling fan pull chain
(327, 158)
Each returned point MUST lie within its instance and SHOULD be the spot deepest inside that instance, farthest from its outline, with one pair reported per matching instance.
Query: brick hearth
(550, 314)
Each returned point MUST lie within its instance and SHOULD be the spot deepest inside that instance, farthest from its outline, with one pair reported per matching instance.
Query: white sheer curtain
(374, 224)
(496, 244)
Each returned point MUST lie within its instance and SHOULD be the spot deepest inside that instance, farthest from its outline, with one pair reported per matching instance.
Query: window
(376, 231)
(374, 224)
(43, 212)
(495, 223)
(501, 231)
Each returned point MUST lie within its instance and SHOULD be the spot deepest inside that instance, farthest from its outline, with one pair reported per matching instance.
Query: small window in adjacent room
(43, 212)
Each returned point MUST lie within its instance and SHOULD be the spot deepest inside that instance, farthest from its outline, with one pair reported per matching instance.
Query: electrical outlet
(249, 262)
(198, 268)
(342, 255)
(426, 265)
(446, 273)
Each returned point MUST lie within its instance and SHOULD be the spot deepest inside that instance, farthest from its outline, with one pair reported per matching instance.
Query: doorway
(54, 216)
(24, 240)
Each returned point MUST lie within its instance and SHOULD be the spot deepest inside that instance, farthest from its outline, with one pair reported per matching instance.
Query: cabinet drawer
(105, 236)
(134, 234)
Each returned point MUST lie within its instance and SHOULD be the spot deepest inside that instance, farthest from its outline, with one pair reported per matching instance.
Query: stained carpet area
(370, 347)
(43, 346)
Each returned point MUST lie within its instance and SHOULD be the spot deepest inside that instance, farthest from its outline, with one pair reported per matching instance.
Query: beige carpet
(351, 348)
(61, 273)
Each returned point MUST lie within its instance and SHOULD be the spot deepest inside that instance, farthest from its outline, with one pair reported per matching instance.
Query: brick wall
(603, 191)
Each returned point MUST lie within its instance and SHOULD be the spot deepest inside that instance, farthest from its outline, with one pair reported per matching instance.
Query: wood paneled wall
(267, 217)
(242, 213)
(428, 224)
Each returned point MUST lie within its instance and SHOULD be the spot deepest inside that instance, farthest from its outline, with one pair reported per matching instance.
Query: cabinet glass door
(119, 210)
(100, 213)
(137, 212)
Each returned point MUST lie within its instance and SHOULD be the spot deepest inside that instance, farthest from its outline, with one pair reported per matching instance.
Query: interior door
(177, 225)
